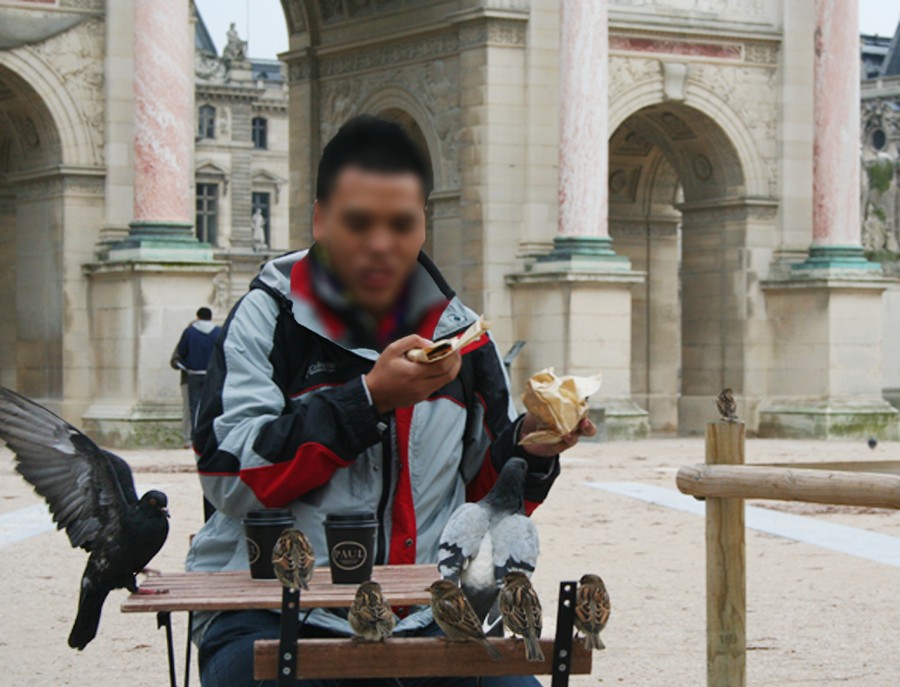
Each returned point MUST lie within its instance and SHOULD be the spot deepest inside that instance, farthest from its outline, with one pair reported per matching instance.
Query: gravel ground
(815, 617)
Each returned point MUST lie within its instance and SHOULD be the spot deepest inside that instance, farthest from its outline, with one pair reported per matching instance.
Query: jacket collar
(431, 300)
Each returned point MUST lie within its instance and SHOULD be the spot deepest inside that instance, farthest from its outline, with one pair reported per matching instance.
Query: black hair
(376, 145)
(204, 313)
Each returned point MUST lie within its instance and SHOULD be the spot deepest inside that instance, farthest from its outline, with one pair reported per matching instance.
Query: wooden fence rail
(787, 484)
(724, 481)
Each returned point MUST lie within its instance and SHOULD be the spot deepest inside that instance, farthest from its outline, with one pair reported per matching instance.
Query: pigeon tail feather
(90, 604)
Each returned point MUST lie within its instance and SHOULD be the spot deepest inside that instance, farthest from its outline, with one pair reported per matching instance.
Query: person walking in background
(192, 356)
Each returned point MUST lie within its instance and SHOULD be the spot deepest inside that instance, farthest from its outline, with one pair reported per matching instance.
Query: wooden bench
(345, 658)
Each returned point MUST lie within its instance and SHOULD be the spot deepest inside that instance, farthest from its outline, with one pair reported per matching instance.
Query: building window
(262, 205)
(207, 212)
(260, 133)
(207, 122)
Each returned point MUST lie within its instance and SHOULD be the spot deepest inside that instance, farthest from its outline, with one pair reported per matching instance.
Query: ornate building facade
(881, 183)
(664, 190)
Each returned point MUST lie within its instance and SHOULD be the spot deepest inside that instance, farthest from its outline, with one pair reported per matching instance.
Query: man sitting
(312, 405)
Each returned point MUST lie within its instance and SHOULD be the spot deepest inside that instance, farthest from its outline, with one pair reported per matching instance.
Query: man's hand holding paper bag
(557, 412)
(557, 406)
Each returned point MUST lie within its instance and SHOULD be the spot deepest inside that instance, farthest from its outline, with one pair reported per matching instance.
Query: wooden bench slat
(410, 657)
(403, 585)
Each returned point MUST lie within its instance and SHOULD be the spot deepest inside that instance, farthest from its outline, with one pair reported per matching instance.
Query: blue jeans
(226, 657)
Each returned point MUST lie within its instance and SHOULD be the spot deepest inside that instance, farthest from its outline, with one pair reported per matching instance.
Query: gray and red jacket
(286, 421)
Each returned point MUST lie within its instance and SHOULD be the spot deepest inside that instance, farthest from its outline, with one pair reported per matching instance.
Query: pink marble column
(583, 117)
(836, 165)
(164, 120)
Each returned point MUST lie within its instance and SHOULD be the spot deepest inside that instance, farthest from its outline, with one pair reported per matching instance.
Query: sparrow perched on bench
(454, 615)
(293, 559)
(370, 616)
(592, 609)
(484, 541)
(520, 609)
(91, 494)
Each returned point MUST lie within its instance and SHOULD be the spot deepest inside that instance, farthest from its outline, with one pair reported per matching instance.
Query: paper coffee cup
(351, 546)
(262, 529)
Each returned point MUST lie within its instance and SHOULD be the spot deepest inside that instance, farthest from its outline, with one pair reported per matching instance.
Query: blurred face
(373, 227)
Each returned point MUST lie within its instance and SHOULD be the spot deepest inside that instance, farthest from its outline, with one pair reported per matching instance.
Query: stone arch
(679, 211)
(77, 147)
(36, 139)
(408, 110)
(699, 98)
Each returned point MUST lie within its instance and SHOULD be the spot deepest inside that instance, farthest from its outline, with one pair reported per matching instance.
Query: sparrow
(592, 609)
(91, 495)
(520, 609)
(370, 615)
(484, 541)
(726, 405)
(454, 615)
(293, 559)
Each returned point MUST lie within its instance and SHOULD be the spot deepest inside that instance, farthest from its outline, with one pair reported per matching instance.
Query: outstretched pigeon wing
(86, 488)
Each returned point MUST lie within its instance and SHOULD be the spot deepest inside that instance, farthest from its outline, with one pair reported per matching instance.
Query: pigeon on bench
(91, 494)
(483, 542)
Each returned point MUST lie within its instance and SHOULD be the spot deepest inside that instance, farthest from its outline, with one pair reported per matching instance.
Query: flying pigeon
(91, 494)
(484, 541)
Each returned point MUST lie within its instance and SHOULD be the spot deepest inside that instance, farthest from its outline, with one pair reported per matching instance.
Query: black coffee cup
(351, 546)
(262, 529)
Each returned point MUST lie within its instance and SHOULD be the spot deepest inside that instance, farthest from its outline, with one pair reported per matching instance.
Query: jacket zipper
(387, 461)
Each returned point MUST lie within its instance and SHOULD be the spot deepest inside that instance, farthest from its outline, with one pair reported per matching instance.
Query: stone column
(163, 118)
(146, 288)
(163, 218)
(825, 377)
(836, 167)
(574, 305)
(583, 132)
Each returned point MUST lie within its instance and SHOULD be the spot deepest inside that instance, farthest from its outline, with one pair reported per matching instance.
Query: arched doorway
(678, 211)
(31, 242)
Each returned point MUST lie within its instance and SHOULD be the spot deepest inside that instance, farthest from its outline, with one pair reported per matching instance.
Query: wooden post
(726, 591)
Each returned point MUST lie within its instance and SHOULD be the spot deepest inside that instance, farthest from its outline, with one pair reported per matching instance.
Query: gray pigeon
(484, 541)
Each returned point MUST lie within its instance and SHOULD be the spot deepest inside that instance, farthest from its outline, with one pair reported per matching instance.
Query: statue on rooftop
(235, 49)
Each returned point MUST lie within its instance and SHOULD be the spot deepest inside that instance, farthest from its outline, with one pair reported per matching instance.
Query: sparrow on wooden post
(726, 405)
(293, 559)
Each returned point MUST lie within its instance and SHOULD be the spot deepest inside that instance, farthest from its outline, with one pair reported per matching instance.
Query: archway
(31, 242)
(677, 193)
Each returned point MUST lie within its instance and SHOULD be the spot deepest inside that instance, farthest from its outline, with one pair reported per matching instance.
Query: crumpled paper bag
(441, 349)
(559, 403)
